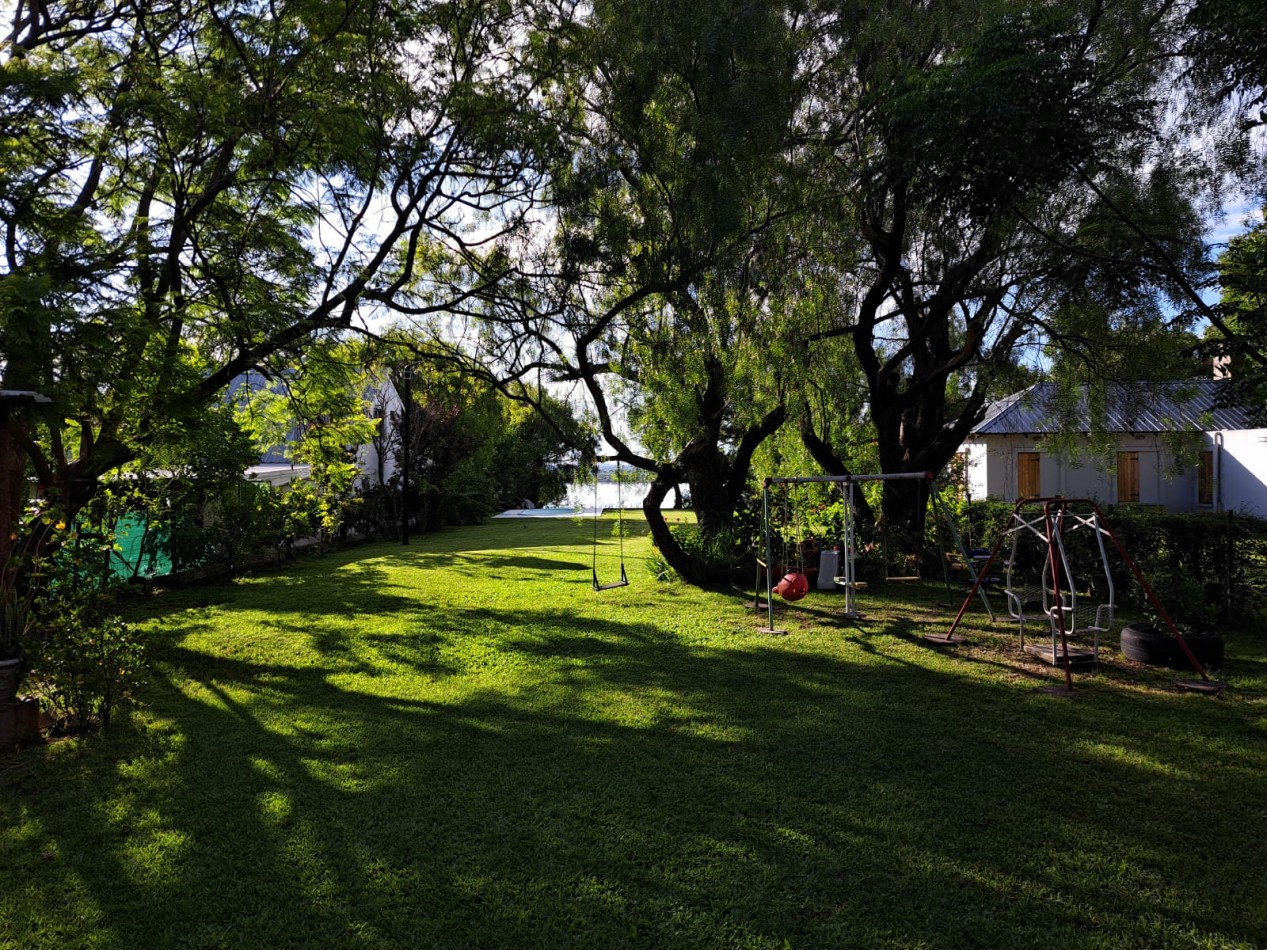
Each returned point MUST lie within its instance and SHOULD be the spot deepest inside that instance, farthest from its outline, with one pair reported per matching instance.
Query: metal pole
(404, 485)
(940, 506)
(819, 479)
(1053, 528)
(769, 559)
(985, 570)
(851, 550)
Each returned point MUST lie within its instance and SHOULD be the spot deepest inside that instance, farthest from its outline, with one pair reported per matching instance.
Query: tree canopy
(707, 219)
(194, 189)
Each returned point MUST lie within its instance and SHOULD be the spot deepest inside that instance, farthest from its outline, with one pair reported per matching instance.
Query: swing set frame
(847, 580)
(1060, 599)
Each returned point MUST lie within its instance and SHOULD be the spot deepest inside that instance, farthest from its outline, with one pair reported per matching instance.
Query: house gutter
(1218, 471)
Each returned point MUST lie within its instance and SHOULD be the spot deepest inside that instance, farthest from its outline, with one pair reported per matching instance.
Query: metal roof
(1181, 406)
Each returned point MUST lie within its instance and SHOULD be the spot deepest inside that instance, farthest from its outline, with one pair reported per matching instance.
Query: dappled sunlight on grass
(460, 743)
(1132, 757)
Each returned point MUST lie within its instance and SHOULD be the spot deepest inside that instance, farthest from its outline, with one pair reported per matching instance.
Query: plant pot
(9, 670)
(1155, 645)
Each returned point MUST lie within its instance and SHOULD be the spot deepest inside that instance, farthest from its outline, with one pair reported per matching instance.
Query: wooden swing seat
(623, 582)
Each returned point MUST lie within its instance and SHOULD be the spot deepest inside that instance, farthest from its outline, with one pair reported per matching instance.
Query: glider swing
(1040, 596)
(620, 530)
(1056, 596)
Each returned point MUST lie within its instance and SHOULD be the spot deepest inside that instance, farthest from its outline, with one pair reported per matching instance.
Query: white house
(277, 468)
(1221, 464)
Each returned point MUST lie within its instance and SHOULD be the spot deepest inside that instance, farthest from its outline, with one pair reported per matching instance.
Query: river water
(610, 495)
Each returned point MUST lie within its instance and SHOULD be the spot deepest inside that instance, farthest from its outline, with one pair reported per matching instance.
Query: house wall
(993, 472)
(277, 474)
(975, 463)
(384, 402)
(1241, 471)
(275, 466)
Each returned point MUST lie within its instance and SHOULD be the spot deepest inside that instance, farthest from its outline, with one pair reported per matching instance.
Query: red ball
(794, 586)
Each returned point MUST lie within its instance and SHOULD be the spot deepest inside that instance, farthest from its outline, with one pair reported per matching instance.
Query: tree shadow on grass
(373, 586)
(588, 781)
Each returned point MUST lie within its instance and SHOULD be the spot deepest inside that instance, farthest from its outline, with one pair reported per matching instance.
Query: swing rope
(911, 567)
(620, 529)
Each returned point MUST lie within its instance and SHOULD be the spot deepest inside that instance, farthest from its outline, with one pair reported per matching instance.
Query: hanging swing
(620, 531)
(795, 582)
(909, 568)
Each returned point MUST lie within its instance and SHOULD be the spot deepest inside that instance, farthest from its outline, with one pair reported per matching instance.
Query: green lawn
(459, 744)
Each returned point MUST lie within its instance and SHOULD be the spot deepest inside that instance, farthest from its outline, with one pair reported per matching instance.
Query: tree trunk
(12, 476)
(687, 567)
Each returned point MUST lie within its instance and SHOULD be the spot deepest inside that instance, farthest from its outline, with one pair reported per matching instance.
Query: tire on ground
(1158, 647)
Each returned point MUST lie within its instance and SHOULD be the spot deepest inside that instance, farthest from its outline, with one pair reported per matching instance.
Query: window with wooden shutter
(1205, 478)
(1027, 481)
(1127, 477)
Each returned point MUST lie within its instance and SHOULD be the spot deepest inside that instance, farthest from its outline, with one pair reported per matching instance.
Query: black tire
(1156, 646)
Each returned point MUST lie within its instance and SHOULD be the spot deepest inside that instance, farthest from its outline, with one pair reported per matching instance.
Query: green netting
(139, 553)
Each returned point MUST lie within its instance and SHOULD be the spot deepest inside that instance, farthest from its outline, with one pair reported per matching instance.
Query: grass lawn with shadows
(460, 744)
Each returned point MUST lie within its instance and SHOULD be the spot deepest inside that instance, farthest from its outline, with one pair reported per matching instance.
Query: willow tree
(192, 189)
(654, 284)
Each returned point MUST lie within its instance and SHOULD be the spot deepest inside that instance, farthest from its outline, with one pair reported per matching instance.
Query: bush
(83, 660)
(1206, 569)
(89, 663)
(723, 557)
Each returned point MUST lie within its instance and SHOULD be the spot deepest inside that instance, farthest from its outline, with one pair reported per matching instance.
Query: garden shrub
(1207, 569)
(723, 558)
(83, 660)
(89, 663)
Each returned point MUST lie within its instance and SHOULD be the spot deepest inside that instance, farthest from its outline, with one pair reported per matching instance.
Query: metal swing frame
(847, 580)
(1054, 546)
(942, 514)
(1052, 525)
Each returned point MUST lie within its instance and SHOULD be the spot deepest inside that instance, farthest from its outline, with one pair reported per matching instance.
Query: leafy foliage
(978, 158)
(192, 191)
(1243, 276)
(474, 452)
(82, 658)
(90, 663)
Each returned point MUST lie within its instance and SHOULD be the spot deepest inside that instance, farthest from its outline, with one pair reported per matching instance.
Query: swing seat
(845, 582)
(623, 582)
(794, 586)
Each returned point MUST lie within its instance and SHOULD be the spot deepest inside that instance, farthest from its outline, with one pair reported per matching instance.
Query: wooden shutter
(1027, 480)
(1127, 477)
(1205, 478)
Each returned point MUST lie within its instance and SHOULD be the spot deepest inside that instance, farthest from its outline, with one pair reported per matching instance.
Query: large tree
(974, 152)
(192, 188)
(1243, 276)
(654, 286)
